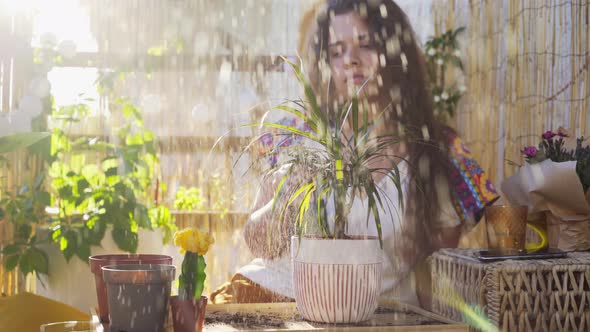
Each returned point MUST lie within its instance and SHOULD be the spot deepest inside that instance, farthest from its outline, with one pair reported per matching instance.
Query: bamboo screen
(526, 72)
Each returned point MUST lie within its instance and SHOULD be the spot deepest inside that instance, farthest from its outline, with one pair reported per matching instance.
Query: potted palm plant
(336, 277)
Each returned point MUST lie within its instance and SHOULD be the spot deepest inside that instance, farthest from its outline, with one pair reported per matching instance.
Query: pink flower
(549, 134)
(530, 151)
(562, 134)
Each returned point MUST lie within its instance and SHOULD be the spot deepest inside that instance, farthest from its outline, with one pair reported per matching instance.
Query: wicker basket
(527, 295)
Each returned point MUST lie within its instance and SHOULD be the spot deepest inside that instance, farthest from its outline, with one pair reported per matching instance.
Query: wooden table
(390, 316)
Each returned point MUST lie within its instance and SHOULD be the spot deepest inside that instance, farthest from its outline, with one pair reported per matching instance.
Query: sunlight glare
(13, 7)
(67, 20)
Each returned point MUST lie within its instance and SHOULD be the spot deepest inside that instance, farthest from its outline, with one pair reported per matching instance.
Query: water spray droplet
(383, 10)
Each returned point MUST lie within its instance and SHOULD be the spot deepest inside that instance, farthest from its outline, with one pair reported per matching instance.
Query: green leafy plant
(99, 184)
(442, 54)
(335, 165)
(25, 209)
(18, 141)
(219, 194)
(189, 199)
(193, 198)
(93, 184)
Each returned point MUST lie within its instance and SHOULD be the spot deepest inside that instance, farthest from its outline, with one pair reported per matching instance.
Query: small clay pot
(138, 296)
(98, 261)
(188, 315)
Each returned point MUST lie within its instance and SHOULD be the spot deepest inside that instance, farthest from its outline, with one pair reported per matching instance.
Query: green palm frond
(321, 215)
(290, 129)
(304, 206)
(371, 195)
(309, 93)
(310, 121)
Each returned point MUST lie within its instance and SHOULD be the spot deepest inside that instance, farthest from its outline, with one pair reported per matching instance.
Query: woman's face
(353, 57)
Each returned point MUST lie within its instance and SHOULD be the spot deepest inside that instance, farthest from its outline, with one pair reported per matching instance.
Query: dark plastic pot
(138, 296)
(188, 315)
(98, 261)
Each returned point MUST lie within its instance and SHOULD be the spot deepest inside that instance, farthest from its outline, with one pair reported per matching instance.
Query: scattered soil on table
(385, 310)
(246, 320)
(265, 320)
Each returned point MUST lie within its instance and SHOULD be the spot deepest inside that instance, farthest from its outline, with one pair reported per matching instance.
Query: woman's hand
(265, 237)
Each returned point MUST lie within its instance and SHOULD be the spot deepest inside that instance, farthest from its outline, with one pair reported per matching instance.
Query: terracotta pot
(138, 296)
(188, 315)
(336, 281)
(98, 261)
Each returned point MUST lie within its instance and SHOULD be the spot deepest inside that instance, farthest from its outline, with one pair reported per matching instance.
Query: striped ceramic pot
(336, 281)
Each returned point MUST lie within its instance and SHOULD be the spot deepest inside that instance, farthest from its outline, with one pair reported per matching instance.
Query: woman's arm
(446, 237)
(263, 235)
(445, 234)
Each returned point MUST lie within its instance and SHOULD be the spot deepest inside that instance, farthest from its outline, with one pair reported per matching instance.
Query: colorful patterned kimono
(471, 188)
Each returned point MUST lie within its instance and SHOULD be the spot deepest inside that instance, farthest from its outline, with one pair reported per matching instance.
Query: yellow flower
(191, 239)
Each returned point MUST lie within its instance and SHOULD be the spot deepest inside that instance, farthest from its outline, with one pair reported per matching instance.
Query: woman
(368, 46)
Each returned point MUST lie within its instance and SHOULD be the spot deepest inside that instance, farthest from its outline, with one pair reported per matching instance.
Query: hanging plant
(443, 55)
